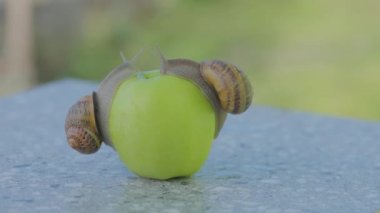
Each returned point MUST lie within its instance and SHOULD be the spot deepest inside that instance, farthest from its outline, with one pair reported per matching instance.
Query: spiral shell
(231, 84)
(81, 128)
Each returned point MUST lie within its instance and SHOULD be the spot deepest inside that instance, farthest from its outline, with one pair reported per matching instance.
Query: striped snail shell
(81, 128)
(231, 84)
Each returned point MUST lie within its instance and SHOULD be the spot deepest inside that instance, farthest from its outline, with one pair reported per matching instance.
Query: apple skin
(161, 126)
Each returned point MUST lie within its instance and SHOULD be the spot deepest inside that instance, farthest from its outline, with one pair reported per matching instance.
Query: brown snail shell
(81, 128)
(231, 84)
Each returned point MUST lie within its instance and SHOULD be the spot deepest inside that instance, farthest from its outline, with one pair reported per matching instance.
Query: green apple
(161, 122)
(162, 126)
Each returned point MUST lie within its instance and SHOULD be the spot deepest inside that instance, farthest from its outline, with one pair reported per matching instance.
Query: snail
(81, 128)
(90, 114)
(216, 86)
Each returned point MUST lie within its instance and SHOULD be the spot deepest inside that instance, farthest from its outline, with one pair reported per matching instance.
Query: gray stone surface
(266, 160)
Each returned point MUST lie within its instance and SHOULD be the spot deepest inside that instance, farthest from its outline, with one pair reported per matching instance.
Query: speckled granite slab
(266, 160)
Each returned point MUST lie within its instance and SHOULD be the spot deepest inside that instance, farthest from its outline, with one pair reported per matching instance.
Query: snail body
(161, 122)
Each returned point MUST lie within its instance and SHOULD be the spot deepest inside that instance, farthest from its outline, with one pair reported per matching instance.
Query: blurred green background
(319, 56)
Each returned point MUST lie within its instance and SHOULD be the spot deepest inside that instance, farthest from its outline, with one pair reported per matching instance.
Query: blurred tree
(17, 71)
(58, 29)
(311, 55)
